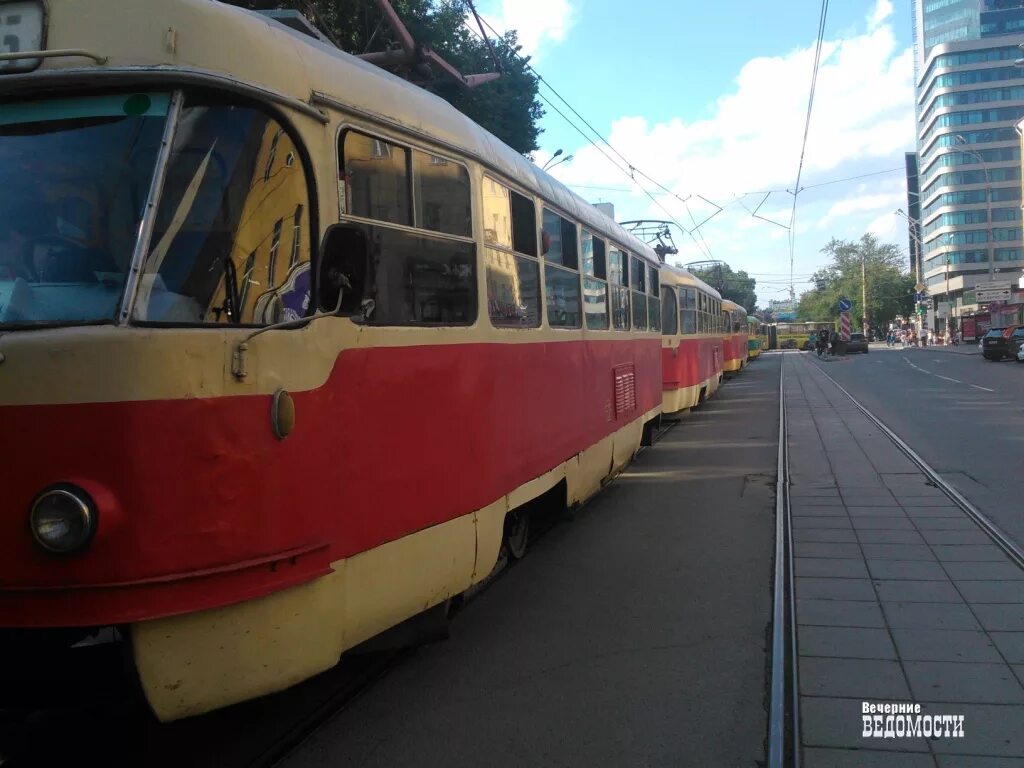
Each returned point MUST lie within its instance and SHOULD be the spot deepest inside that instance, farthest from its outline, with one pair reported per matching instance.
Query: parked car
(998, 343)
(1017, 343)
(1020, 354)
(857, 343)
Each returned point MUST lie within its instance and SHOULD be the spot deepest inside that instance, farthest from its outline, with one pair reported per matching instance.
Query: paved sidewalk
(964, 348)
(901, 598)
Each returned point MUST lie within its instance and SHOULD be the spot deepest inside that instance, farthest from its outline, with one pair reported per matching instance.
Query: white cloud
(880, 13)
(863, 121)
(537, 22)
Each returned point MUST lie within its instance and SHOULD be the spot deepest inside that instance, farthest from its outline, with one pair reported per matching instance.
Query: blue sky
(709, 99)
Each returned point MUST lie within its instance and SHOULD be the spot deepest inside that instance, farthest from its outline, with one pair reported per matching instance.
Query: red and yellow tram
(691, 347)
(285, 345)
(734, 336)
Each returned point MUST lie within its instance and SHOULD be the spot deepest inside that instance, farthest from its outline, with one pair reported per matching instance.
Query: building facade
(970, 97)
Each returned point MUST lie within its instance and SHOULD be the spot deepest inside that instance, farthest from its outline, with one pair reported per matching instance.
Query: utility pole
(864, 294)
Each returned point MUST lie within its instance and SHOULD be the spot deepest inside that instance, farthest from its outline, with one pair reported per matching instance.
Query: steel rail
(782, 593)
(1001, 539)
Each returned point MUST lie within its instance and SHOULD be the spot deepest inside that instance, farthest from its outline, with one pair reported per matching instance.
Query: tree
(507, 107)
(734, 286)
(890, 286)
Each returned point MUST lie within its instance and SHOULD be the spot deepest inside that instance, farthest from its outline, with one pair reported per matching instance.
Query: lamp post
(549, 165)
(551, 159)
(988, 204)
(914, 224)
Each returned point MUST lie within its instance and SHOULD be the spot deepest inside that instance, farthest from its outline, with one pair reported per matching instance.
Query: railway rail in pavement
(908, 599)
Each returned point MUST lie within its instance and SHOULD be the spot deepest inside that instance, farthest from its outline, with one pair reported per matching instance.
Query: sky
(709, 99)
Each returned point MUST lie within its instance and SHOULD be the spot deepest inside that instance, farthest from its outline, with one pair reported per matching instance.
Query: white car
(1020, 354)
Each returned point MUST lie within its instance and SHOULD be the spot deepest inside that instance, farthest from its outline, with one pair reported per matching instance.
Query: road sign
(920, 287)
(986, 295)
(845, 305)
(844, 323)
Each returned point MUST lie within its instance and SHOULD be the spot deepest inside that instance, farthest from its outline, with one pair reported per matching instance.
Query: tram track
(783, 705)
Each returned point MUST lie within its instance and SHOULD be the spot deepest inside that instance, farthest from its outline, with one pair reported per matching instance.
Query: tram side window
(375, 179)
(231, 242)
(669, 311)
(653, 301)
(688, 310)
(618, 279)
(561, 280)
(595, 289)
(637, 281)
(397, 276)
(513, 274)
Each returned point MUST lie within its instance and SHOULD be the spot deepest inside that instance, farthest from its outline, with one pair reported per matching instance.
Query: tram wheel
(517, 533)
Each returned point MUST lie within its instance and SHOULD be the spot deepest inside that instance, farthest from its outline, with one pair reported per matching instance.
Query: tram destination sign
(21, 29)
(989, 292)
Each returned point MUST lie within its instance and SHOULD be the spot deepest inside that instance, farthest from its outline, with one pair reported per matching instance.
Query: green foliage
(734, 286)
(890, 289)
(507, 107)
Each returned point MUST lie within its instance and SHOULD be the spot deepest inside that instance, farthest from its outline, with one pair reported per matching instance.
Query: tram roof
(673, 275)
(204, 36)
(730, 305)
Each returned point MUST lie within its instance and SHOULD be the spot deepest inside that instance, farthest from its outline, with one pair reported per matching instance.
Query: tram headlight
(63, 519)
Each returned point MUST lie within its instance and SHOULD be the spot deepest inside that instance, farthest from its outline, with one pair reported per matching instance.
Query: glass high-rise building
(970, 96)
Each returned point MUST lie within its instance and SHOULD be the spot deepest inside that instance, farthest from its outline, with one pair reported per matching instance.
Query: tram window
(513, 290)
(639, 310)
(418, 279)
(595, 304)
(524, 225)
(654, 313)
(669, 312)
(441, 194)
(497, 213)
(688, 310)
(562, 287)
(221, 219)
(375, 179)
(558, 237)
(652, 281)
(637, 275)
(593, 250)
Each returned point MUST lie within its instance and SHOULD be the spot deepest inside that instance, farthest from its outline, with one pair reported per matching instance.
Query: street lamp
(565, 159)
(988, 205)
(557, 153)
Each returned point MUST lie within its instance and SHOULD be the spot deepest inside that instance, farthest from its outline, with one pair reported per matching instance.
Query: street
(962, 414)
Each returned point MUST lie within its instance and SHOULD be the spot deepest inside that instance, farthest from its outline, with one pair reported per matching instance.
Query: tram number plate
(21, 29)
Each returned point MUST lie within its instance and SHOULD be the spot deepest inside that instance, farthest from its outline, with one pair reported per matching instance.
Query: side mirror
(343, 266)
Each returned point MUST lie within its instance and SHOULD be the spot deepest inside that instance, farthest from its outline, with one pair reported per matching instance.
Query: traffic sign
(986, 293)
(845, 305)
(844, 324)
(920, 287)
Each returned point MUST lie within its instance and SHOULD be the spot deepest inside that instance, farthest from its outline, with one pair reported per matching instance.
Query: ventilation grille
(625, 390)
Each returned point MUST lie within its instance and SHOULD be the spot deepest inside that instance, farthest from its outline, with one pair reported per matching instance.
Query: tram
(692, 347)
(734, 336)
(756, 341)
(287, 346)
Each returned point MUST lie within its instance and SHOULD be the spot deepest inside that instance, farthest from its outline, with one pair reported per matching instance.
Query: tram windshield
(74, 178)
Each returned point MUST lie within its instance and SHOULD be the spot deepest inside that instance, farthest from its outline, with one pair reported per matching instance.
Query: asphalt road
(962, 414)
(636, 634)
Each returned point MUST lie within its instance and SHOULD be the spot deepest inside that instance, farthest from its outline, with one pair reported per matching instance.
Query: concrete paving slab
(989, 730)
(938, 510)
(897, 552)
(828, 549)
(914, 570)
(906, 591)
(943, 681)
(817, 757)
(834, 589)
(838, 613)
(927, 502)
(839, 535)
(834, 567)
(846, 642)
(819, 511)
(889, 537)
(956, 537)
(815, 501)
(820, 521)
(797, 491)
(882, 523)
(1010, 644)
(969, 553)
(975, 761)
(984, 571)
(933, 523)
(857, 500)
(863, 491)
(992, 591)
(880, 511)
(929, 616)
(945, 645)
(856, 678)
(1000, 618)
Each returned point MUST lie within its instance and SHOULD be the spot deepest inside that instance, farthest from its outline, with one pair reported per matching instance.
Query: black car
(1000, 343)
(857, 343)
